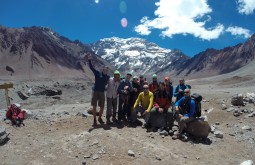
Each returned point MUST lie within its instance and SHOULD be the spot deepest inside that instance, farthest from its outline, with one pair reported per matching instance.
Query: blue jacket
(100, 79)
(121, 90)
(176, 92)
(191, 111)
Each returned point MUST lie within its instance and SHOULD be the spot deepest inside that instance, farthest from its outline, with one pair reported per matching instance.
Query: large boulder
(199, 128)
(3, 135)
(22, 95)
(237, 100)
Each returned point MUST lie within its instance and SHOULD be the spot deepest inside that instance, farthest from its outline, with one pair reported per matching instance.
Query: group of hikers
(128, 97)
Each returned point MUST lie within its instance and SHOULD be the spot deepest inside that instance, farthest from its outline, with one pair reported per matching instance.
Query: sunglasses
(145, 88)
(186, 92)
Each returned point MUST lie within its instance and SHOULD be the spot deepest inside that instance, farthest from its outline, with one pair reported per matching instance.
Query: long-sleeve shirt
(145, 100)
(101, 79)
(112, 88)
(189, 112)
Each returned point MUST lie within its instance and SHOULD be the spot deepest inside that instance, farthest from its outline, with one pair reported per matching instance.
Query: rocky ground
(59, 131)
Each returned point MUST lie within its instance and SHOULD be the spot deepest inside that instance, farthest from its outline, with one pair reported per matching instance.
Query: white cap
(17, 105)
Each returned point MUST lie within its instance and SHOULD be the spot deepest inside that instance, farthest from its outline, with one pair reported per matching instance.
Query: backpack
(197, 98)
(15, 114)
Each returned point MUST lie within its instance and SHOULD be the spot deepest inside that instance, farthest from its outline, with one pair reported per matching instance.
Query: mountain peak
(134, 54)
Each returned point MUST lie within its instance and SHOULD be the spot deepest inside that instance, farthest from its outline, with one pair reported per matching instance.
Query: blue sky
(189, 25)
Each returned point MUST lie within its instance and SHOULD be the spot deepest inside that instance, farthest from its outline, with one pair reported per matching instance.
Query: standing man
(98, 98)
(185, 109)
(124, 90)
(111, 94)
(133, 95)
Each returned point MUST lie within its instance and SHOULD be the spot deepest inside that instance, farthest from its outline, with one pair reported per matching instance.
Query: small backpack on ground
(15, 114)
(197, 98)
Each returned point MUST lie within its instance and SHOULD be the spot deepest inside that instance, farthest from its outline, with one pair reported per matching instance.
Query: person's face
(154, 79)
(128, 77)
(141, 79)
(117, 77)
(135, 80)
(162, 86)
(146, 90)
(182, 81)
(186, 92)
(105, 70)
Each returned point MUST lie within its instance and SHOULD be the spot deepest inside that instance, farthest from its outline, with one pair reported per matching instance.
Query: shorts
(98, 97)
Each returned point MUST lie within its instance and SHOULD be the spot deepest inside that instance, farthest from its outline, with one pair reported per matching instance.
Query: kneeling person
(160, 108)
(185, 108)
(145, 99)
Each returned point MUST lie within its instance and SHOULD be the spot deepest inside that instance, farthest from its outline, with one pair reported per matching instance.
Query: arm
(171, 91)
(151, 102)
(178, 103)
(131, 88)
(92, 67)
(176, 92)
(121, 88)
(137, 100)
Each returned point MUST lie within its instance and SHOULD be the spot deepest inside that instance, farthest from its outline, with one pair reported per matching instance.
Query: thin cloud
(181, 17)
(234, 30)
(246, 6)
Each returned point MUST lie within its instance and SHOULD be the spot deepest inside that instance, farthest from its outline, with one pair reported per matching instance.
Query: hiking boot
(176, 136)
(184, 138)
(114, 120)
(124, 119)
(108, 121)
(146, 126)
(95, 123)
(100, 120)
(161, 129)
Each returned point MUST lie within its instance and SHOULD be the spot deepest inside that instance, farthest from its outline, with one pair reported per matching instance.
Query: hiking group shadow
(119, 125)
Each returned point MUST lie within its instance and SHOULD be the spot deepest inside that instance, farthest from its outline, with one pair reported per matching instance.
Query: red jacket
(153, 87)
(161, 99)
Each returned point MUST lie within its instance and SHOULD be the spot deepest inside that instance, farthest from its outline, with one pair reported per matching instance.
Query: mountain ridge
(41, 52)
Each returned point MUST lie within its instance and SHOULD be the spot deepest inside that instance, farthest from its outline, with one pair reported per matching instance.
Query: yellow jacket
(145, 100)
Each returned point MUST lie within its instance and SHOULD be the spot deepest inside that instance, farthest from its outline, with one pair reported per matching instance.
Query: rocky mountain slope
(41, 52)
(142, 57)
(213, 62)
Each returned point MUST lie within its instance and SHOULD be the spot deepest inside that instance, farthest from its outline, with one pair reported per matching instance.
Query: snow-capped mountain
(41, 52)
(137, 55)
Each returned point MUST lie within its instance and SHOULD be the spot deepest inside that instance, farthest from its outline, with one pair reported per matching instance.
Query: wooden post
(5, 87)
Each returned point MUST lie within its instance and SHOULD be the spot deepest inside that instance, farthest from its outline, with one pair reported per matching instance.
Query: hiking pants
(111, 107)
(142, 110)
(183, 122)
(168, 118)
